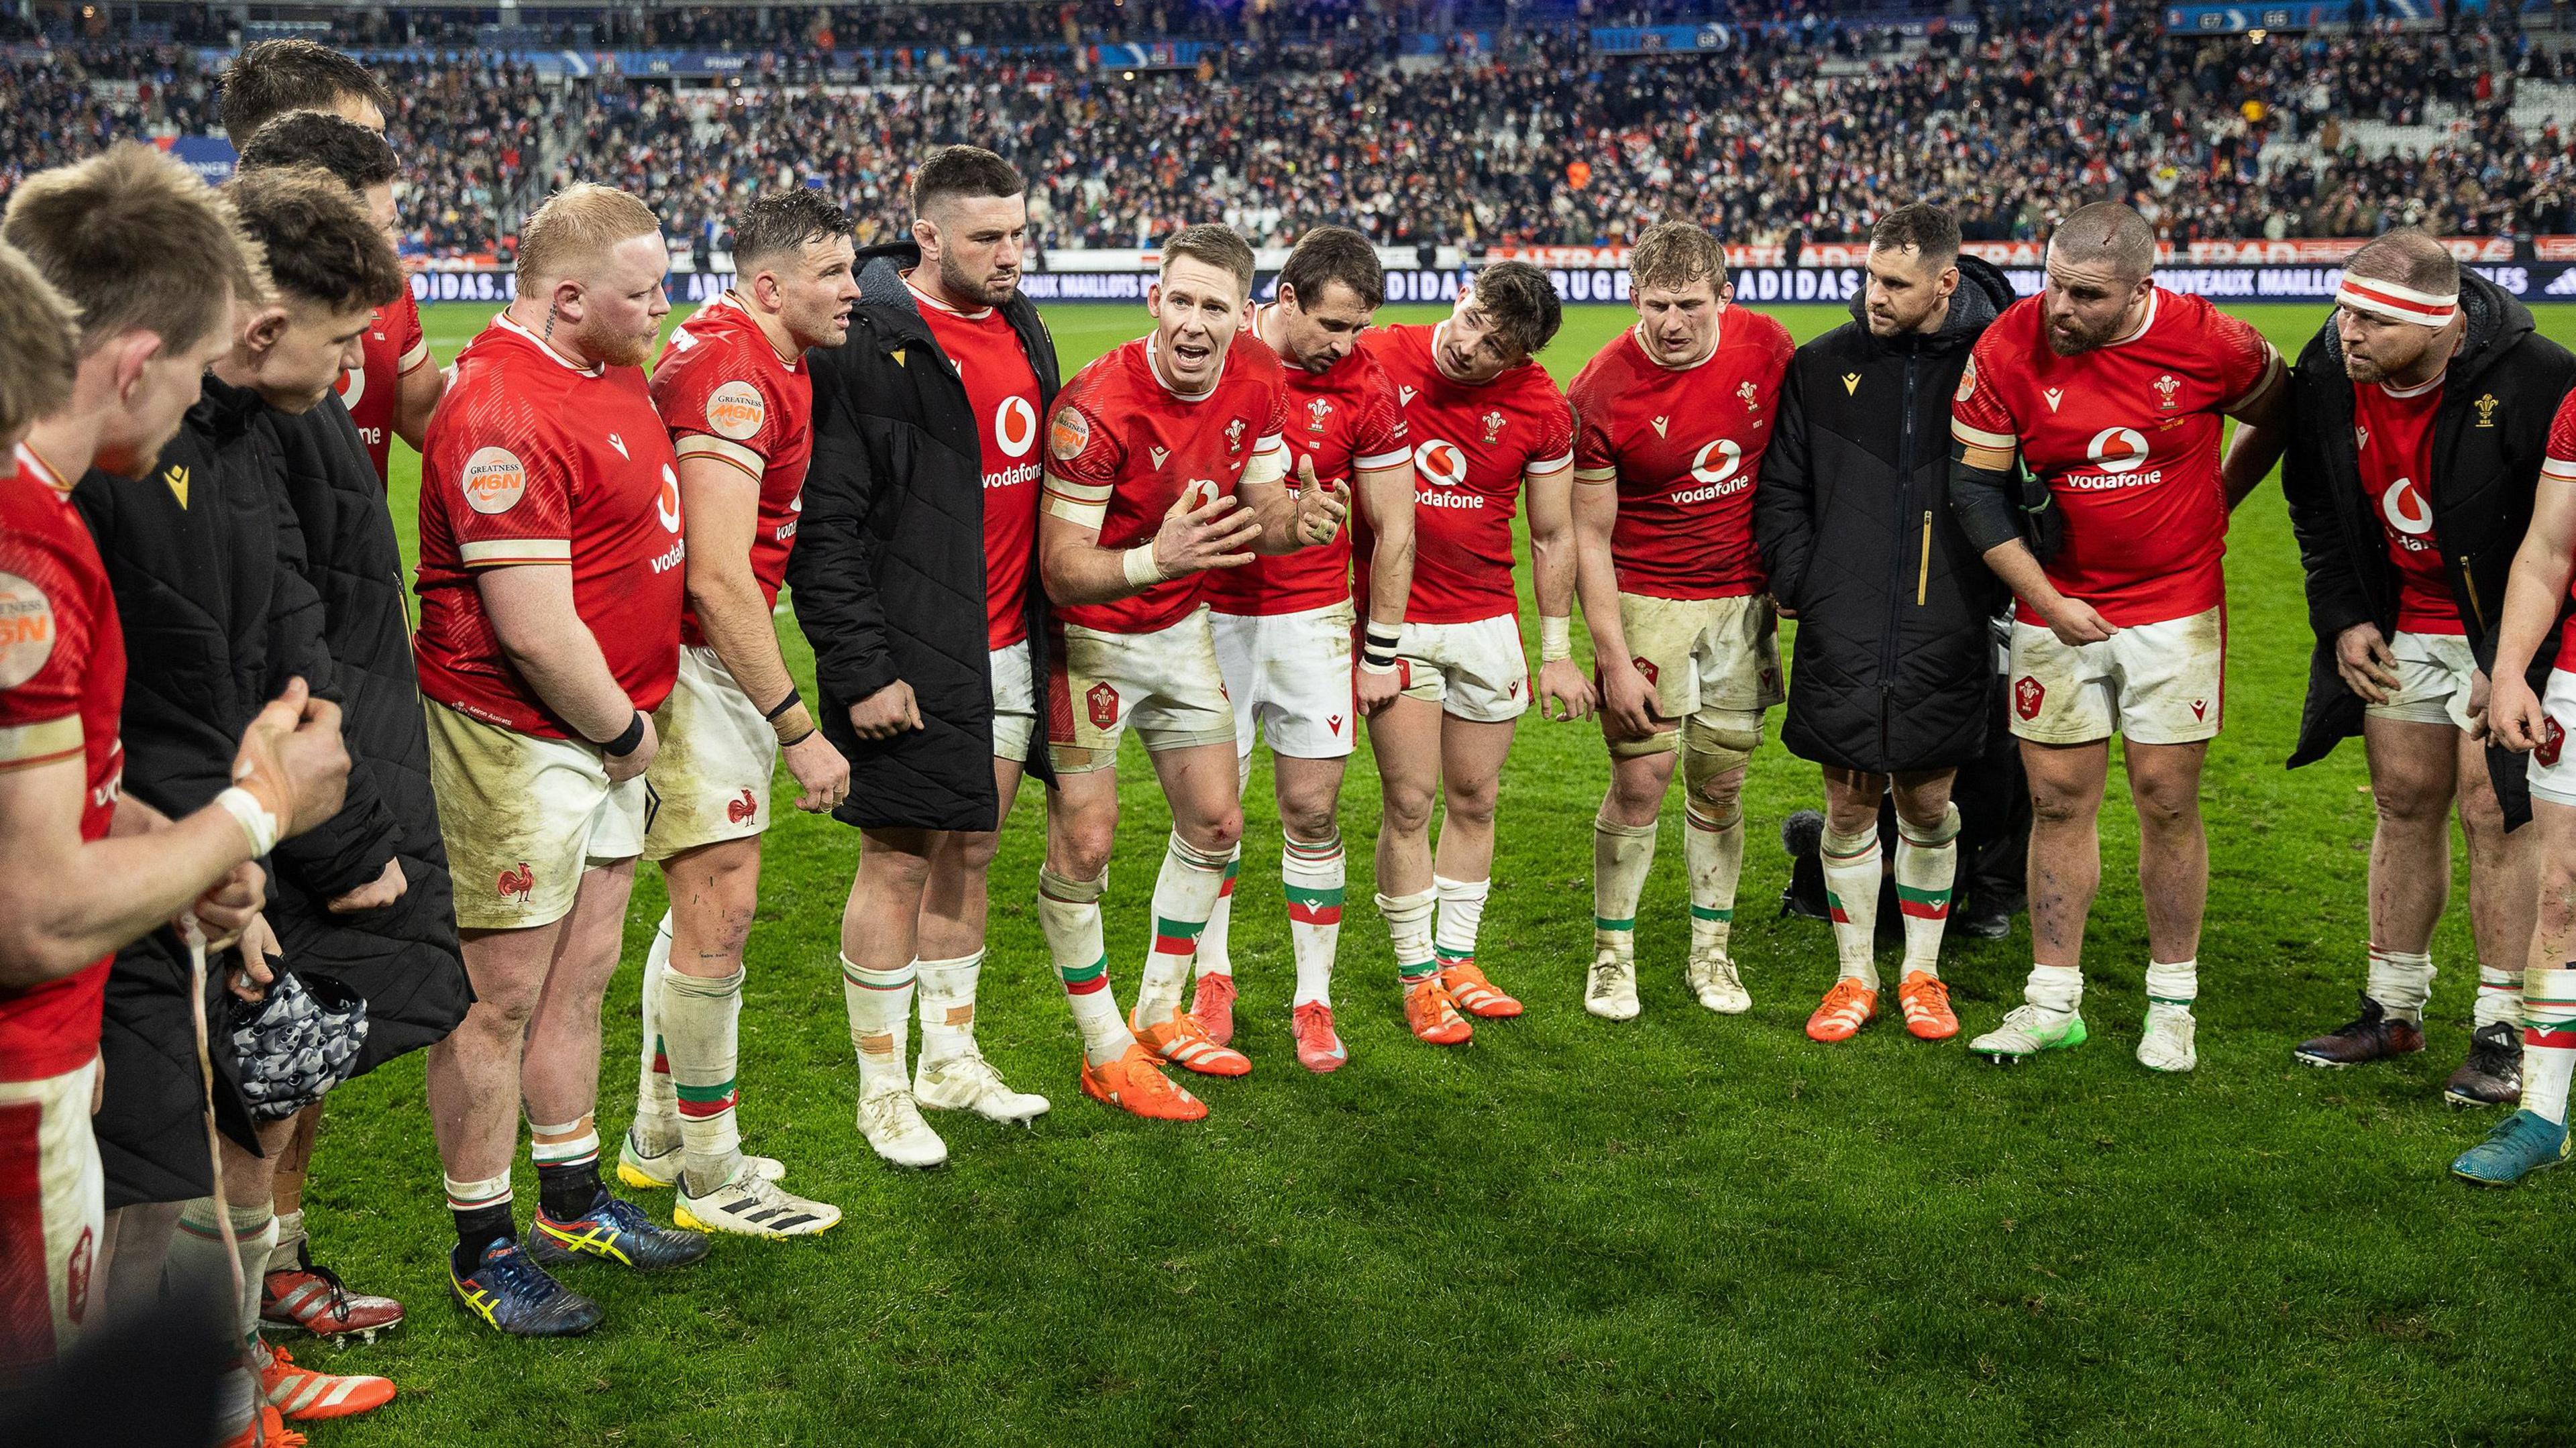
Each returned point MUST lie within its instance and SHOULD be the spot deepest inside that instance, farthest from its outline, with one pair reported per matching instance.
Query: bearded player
(1487, 423)
(1164, 460)
(1676, 412)
(2111, 390)
(733, 389)
(1284, 626)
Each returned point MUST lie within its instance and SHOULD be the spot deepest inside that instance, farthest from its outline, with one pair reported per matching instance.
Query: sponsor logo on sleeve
(737, 410)
(494, 480)
(1069, 435)
(1967, 383)
(26, 630)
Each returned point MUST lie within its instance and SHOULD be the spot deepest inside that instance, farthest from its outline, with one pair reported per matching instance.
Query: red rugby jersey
(534, 460)
(1123, 439)
(1474, 444)
(1684, 445)
(1347, 421)
(2126, 437)
(1002, 388)
(725, 393)
(62, 687)
(395, 348)
(2560, 466)
(2393, 440)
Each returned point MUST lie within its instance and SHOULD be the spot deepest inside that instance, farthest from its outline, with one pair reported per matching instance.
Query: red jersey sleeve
(2242, 358)
(411, 344)
(1555, 447)
(1980, 419)
(1379, 439)
(720, 410)
(1593, 462)
(1084, 457)
(45, 639)
(2560, 465)
(517, 491)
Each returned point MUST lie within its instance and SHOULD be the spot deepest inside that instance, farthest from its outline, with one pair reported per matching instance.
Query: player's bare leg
(1926, 866)
(2173, 879)
(1713, 762)
(2066, 783)
(1201, 782)
(1623, 854)
(2504, 902)
(1405, 737)
(1082, 825)
(2414, 779)
(952, 1073)
(1471, 773)
(878, 925)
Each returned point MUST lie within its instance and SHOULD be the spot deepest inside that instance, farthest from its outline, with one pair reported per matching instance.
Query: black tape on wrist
(628, 742)
(782, 706)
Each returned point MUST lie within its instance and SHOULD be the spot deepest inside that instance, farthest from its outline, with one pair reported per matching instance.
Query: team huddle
(1268, 520)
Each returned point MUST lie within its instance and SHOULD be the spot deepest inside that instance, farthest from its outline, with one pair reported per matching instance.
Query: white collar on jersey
(502, 320)
(2418, 390)
(1153, 349)
(936, 305)
(32, 461)
(2155, 296)
(729, 297)
(1639, 333)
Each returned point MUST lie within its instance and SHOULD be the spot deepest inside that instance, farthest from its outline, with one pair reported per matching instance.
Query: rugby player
(1676, 413)
(733, 389)
(1285, 626)
(551, 571)
(1486, 423)
(2110, 390)
(1165, 458)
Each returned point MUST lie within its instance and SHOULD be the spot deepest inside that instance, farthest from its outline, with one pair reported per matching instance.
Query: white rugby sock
(2548, 1042)
(1069, 914)
(656, 1127)
(1215, 956)
(1714, 850)
(1853, 868)
(880, 1007)
(947, 996)
(2175, 984)
(1311, 880)
(1462, 914)
(1622, 857)
(1185, 891)
(701, 1033)
(1408, 932)
(2054, 987)
(1927, 862)
(2499, 998)
(2401, 981)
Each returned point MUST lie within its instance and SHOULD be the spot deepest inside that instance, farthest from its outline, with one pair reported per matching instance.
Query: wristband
(792, 725)
(782, 706)
(1555, 637)
(253, 817)
(799, 739)
(1142, 571)
(1377, 648)
(628, 742)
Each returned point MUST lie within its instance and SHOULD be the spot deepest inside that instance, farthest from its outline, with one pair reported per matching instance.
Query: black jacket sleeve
(352, 847)
(1784, 497)
(832, 568)
(2336, 598)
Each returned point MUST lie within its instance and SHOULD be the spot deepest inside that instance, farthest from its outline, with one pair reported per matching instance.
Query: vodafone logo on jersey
(1015, 426)
(2117, 453)
(1726, 456)
(668, 504)
(494, 480)
(353, 385)
(2406, 509)
(1443, 464)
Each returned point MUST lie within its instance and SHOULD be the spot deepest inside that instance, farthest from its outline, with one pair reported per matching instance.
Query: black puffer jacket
(2498, 398)
(888, 572)
(1894, 664)
(215, 626)
(403, 958)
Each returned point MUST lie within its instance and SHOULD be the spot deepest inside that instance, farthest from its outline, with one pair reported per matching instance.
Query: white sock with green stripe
(1927, 863)
(2401, 981)
(1185, 891)
(1408, 933)
(2499, 998)
(2548, 1042)
(1069, 914)
(701, 1024)
(1622, 857)
(946, 991)
(2175, 984)
(1853, 868)
(657, 1109)
(1462, 914)
(1714, 851)
(880, 1005)
(1214, 956)
(1310, 875)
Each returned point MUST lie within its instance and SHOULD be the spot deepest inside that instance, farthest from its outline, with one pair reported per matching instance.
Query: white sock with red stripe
(1311, 878)
(2499, 998)
(1069, 914)
(1927, 862)
(701, 1025)
(2548, 1041)
(1214, 958)
(656, 1127)
(1185, 891)
(1853, 868)
(199, 1261)
(880, 1007)
(1462, 915)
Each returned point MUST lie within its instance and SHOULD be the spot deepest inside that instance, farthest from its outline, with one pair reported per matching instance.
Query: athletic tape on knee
(1213, 862)
(1933, 838)
(1709, 752)
(1072, 892)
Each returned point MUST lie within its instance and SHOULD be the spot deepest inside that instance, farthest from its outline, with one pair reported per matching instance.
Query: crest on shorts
(2166, 387)
(740, 811)
(1493, 427)
(1316, 412)
(2552, 736)
(1102, 700)
(1646, 666)
(518, 884)
(1234, 436)
(76, 1275)
(2028, 695)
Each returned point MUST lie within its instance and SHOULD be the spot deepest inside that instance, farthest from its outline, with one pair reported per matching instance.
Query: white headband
(2399, 303)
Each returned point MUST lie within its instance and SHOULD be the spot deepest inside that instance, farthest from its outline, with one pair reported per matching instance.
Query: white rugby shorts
(2152, 683)
(523, 817)
(53, 1199)
(1164, 684)
(709, 780)
(1289, 677)
(1473, 670)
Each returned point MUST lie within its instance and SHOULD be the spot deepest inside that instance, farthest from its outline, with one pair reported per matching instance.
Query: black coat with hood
(2499, 395)
(888, 570)
(1895, 663)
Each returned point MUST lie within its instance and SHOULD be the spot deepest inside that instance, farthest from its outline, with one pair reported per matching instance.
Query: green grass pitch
(1686, 1229)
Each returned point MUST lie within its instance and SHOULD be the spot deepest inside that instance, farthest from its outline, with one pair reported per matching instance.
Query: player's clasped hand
(822, 775)
(1192, 540)
(1627, 702)
(376, 894)
(2368, 666)
(2513, 714)
(292, 761)
(1563, 689)
(882, 715)
(1320, 507)
(2076, 624)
